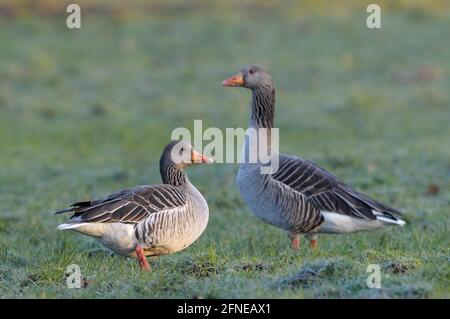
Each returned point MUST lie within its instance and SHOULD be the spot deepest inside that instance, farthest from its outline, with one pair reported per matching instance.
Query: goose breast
(274, 202)
(175, 229)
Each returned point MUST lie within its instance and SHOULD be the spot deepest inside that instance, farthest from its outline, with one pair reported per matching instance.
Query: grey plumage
(161, 219)
(325, 191)
(300, 197)
(129, 205)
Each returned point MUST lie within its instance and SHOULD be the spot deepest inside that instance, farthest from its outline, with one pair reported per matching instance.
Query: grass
(84, 113)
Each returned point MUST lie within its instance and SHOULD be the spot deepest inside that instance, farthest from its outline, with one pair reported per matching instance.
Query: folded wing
(128, 206)
(324, 191)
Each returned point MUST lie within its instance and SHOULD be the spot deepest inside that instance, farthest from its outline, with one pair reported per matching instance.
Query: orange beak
(235, 80)
(198, 158)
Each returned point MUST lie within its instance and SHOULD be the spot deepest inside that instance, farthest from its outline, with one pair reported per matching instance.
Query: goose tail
(65, 210)
(388, 218)
(68, 226)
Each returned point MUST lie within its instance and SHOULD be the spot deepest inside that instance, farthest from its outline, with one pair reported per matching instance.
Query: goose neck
(172, 175)
(263, 107)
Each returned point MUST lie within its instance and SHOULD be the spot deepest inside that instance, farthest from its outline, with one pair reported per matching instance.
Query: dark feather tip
(64, 210)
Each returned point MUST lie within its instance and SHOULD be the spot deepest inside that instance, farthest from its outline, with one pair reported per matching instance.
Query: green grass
(85, 113)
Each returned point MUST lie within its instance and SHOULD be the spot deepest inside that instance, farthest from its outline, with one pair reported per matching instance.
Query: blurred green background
(86, 112)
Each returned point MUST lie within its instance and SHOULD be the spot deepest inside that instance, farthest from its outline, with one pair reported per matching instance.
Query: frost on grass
(315, 273)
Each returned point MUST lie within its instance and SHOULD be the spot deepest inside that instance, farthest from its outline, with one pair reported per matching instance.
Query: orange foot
(142, 260)
(314, 243)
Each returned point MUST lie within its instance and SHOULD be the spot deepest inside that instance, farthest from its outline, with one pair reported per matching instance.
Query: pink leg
(295, 241)
(314, 243)
(142, 260)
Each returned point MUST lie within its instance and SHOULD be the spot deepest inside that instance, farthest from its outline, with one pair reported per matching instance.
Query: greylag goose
(148, 220)
(300, 196)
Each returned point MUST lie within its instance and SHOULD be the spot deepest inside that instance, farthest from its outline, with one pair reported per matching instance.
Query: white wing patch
(335, 223)
(387, 219)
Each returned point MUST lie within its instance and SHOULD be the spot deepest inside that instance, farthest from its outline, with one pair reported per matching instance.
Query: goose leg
(142, 260)
(295, 241)
(313, 240)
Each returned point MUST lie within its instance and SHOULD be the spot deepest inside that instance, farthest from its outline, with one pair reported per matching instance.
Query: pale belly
(182, 242)
(117, 237)
(120, 238)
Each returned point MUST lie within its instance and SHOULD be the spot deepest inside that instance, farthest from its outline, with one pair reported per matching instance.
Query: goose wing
(128, 206)
(324, 191)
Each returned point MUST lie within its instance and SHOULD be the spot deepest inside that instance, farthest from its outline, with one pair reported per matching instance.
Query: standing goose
(300, 196)
(148, 220)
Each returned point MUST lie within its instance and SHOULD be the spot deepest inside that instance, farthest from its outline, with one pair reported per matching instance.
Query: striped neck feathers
(171, 174)
(263, 107)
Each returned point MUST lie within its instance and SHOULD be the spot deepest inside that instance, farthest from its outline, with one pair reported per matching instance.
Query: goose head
(252, 77)
(175, 157)
(181, 154)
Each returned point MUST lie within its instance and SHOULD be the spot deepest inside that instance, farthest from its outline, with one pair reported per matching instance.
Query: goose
(148, 220)
(300, 196)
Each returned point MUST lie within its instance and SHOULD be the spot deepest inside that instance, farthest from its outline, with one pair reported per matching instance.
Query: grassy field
(85, 113)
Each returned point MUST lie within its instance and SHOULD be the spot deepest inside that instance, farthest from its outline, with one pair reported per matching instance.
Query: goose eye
(251, 71)
(182, 149)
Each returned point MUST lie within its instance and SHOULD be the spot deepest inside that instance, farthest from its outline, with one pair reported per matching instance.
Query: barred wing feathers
(128, 206)
(325, 192)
